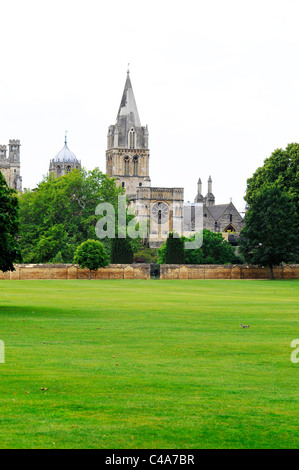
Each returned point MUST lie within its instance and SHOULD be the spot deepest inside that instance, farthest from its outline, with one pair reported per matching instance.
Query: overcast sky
(216, 81)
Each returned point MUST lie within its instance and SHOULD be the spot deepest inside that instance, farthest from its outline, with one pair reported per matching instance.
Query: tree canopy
(121, 251)
(214, 250)
(270, 235)
(9, 227)
(281, 168)
(59, 214)
(92, 255)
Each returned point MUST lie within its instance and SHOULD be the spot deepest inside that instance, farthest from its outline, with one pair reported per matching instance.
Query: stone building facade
(10, 164)
(127, 160)
(218, 217)
(64, 162)
(127, 155)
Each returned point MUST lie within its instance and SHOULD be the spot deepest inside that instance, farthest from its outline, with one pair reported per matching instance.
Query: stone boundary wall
(226, 271)
(72, 271)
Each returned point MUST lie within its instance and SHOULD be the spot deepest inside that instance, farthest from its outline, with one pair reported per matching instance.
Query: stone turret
(10, 165)
(210, 198)
(199, 196)
(64, 162)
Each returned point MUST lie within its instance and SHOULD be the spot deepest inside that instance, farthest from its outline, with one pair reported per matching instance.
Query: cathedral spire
(128, 108)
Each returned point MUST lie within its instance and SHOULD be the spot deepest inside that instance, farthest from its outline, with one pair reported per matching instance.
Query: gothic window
(230, 217)
(123, 185)
(140, 184)
(58, 169)
(127, 166)
(135, 164)
(132, 138)
(68, 168)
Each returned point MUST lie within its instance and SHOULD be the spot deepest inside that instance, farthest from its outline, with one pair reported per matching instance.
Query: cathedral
(162, 209)
(127, 160)
(10, 165)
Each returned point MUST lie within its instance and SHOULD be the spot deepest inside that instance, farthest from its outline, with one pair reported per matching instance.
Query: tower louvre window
(132, 139)
(126, 166)
(135, 165)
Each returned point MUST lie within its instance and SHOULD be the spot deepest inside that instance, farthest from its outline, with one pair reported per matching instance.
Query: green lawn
(149, 364)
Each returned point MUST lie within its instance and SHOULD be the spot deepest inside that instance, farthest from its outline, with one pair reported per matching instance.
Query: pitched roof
(217, 210)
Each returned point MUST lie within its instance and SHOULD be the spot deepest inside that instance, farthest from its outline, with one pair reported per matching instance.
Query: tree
(281, 169)
(59, 214)
(174, 250)
(9, 227)
(121, 251)
(214, 250)
(270, 235)
(92, 255)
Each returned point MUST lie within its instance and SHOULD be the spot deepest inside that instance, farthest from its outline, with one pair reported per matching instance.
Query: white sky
(216, 81)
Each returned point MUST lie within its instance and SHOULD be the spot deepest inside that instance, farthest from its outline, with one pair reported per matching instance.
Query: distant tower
(199, 196)
(210, 198)
(10, 166)
(127, 155)
(64, 162)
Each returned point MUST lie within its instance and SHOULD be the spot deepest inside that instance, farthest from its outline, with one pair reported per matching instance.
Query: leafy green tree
(122, 251)
(91, 254)
(214, 250)
(59, 214)
(9, 227)
(281, 168)
(174, 250)
(270, 235)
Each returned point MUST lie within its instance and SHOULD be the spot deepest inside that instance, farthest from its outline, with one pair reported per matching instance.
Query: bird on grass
(244, 326)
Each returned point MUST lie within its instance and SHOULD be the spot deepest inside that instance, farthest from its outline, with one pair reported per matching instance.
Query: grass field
(149, 364)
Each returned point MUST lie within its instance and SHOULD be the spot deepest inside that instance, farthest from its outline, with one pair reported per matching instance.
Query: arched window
(127, 166)
(135, 165)
(132, 138)
(123, 185)
(68, 168)
(140, 184)
(58, 169)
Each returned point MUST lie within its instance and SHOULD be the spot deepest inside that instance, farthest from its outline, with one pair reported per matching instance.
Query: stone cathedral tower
(10, 166)
(127, 155)
(64, 162)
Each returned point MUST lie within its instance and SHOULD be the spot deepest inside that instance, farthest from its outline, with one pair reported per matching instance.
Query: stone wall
(211, 271)
(72, 271)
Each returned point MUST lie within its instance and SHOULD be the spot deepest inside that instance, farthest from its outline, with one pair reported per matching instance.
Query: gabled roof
(217, 210)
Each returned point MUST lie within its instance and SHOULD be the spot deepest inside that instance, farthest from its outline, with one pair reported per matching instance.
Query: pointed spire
(210, 198)
(210, 185)
(199, 186)
(128, 108)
